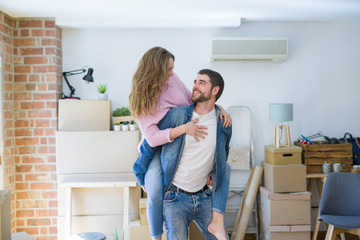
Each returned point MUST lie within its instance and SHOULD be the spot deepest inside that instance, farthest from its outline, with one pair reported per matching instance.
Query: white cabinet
(97, 189)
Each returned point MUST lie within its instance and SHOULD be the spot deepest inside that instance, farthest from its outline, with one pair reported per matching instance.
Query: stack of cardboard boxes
(285, 210)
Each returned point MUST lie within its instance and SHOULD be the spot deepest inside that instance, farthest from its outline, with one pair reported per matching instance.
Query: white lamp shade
(280, 112)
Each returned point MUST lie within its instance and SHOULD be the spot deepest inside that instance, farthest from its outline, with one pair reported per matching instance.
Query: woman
(155, 90)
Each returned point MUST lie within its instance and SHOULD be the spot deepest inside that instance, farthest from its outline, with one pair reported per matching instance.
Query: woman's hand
(225, 115)
(195, 130)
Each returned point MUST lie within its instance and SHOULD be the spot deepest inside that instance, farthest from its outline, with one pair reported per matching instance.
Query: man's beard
(200, 98)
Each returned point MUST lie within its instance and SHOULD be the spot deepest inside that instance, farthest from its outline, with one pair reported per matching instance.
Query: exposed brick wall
(7, 96)
(35, 88)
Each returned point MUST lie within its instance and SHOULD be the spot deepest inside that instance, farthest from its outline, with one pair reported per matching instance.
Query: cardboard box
(96, 151)
(285, 178)
(143, 215)
(138, 232)
(285, 232)
(194, 232)
(285, 208)
(283, 155)
(84, 115)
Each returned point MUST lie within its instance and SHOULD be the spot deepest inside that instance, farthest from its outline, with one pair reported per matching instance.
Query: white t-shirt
(197, 159)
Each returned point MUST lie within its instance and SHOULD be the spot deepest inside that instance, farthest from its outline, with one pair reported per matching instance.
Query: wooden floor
(321, 236)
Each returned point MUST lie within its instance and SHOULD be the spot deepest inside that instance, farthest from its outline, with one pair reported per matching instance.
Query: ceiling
(180, 13)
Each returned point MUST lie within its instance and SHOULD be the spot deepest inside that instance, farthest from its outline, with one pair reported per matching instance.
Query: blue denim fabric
(171, 152)
(154, 188)
(180, 209)
(221, 193)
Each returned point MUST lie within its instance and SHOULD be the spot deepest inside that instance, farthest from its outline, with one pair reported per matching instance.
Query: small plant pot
(117, 127)
(125, 127)
(132, 127)
(102, 96)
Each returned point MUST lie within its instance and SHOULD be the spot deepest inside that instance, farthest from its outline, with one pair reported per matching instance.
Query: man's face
(201, 89)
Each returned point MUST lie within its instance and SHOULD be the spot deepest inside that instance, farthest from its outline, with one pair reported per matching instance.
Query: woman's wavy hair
(148, 80)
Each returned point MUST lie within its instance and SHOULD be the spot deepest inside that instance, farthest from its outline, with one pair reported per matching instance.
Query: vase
(102, 96)
(337, 167)
(326, 168)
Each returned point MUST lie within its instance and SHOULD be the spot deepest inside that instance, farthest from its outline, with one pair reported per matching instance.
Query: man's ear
(215, 90)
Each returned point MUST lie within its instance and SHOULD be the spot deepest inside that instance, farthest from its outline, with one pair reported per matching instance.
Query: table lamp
(88, 78)
(281, 112)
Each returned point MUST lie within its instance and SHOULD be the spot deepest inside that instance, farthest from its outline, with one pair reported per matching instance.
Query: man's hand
(209, 180)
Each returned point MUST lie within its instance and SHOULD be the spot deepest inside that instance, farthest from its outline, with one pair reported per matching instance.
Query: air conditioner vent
(244, 49)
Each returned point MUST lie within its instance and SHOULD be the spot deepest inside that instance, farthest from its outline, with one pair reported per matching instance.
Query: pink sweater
(175, 94)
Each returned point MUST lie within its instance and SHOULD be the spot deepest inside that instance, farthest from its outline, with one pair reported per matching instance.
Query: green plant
(124, 111)
(125, 122)
(116, 123)
(102, 88)
(132, 122)
(116, 236)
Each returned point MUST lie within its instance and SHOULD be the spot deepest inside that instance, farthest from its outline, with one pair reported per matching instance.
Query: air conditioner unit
(249, 49)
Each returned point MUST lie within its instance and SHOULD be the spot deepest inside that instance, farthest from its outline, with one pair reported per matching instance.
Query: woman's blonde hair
(148, 80)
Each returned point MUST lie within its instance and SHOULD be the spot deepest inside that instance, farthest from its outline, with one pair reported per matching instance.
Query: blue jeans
(180, 209)
(154, 189)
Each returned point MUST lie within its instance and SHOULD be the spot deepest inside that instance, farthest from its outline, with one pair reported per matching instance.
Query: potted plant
(101, 92)
(125, 125)
(117, 126)
(132, 125)
(121, 114)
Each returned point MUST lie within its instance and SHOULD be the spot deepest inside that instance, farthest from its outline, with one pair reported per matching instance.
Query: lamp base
(276, 142)
(69, 97)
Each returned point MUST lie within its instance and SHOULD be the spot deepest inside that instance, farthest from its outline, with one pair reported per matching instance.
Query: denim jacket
(171, 152)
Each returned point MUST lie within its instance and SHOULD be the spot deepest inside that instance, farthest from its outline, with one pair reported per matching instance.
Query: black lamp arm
(70, 73)
(72, 89)
(74, 72)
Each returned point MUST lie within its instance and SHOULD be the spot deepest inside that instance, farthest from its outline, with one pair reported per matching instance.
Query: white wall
(321, 76)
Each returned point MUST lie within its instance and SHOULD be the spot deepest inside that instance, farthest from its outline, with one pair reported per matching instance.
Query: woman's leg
(154, 189)
(217, 226)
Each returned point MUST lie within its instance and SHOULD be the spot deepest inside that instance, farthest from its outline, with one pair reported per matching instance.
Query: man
(186, 163)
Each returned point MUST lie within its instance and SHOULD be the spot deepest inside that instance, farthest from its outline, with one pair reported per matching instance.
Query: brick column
(35, 88)
(7, 96)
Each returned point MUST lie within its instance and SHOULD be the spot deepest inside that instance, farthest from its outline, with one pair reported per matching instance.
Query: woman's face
(171, 68)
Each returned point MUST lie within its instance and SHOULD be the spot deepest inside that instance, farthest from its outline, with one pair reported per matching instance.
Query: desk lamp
(88, 77)
(281, 112)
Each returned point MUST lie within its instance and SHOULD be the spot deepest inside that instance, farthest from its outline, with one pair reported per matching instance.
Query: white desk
(122, 180)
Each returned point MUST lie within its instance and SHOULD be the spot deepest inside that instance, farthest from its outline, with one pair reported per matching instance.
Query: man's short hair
(215, 80)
